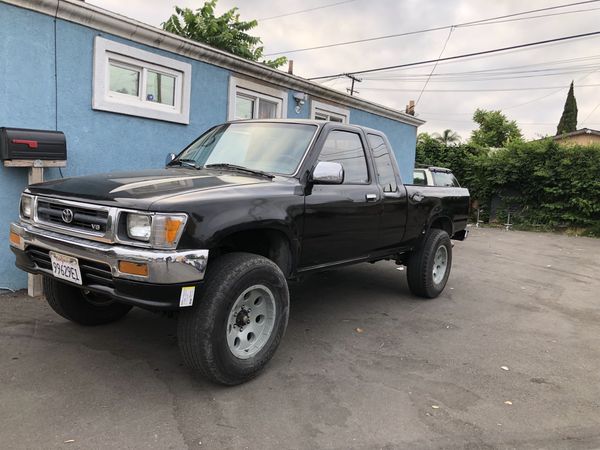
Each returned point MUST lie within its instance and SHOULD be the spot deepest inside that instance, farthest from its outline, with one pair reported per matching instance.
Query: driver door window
(346, 148)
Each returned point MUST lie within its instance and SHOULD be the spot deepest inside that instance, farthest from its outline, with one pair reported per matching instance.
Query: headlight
(26, 206)
(159, 230)
(139, 226)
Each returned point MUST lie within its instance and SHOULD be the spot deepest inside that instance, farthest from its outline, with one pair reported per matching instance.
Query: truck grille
(92, 272)
(76, 217)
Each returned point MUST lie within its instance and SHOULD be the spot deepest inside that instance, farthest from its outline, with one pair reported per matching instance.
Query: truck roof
(319, 123)
(433, 168)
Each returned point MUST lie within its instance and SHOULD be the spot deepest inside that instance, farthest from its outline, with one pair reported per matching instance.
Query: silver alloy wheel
(440, 264)
(251, 321)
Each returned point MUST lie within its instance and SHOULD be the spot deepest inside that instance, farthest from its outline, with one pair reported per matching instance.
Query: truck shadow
(320, 304)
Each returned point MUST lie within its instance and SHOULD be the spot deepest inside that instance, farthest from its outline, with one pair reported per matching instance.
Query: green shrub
(548, 185)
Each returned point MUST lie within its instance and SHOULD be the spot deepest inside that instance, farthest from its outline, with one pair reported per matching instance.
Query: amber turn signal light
(171, 230)
(133, 268)
(15, 239)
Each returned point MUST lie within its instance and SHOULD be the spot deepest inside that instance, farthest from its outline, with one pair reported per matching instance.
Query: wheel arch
(441, 223)
(271, 242)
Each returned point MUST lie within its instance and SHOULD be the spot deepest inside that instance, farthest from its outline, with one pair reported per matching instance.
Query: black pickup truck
(217, 234)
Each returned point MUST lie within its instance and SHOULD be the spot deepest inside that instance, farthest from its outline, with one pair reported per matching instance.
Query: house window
(324, 111)
(250, 100)
(131, 81)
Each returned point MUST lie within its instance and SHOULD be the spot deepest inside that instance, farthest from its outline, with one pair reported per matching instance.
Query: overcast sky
(536, 110)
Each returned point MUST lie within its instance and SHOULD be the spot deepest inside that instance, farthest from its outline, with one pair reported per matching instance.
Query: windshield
(262, 146)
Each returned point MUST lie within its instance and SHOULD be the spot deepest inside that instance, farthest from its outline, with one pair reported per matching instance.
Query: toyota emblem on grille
(67, 215)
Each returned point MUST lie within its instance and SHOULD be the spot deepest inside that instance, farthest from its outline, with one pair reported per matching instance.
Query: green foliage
(225, 32)
(495, 130)
(550, 186)
(568, 120)
(447, 137)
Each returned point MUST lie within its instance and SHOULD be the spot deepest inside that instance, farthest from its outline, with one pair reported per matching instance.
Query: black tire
(89, 309)
(202, 328)
(419, 271)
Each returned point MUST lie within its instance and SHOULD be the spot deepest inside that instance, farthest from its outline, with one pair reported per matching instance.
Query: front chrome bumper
(164, 267)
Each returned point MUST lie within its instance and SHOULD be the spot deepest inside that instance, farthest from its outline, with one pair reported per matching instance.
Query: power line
(519, 122)
(534, 88)
(490, 78)
(444, 27)
(475, 75)
(592, 112)
(304, 11)
(528, 102)
(506, 70)
(464, 55)
(402, 72)
(494, 22)
(435, 65)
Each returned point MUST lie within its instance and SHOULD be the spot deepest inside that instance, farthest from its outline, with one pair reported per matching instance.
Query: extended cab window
(346, 148)
(419, 177)
(383, 163)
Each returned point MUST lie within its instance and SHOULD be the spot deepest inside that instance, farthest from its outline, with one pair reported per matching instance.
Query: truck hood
(140, 189)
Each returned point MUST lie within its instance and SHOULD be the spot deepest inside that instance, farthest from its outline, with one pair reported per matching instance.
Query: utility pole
(353, 78)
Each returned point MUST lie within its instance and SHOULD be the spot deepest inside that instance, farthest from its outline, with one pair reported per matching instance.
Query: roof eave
(94, 17)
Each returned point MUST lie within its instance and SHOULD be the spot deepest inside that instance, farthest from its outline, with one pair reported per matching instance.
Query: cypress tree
(568, 120)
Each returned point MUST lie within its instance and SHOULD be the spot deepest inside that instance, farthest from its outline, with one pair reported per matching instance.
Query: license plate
(65, 267)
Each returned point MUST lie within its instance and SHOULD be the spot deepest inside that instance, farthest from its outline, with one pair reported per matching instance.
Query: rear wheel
(81, 306)
(429, 266)
(233, 330)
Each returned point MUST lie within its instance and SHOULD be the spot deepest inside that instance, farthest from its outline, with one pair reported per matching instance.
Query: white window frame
(130, 57)
(325, 109)
(257, 91)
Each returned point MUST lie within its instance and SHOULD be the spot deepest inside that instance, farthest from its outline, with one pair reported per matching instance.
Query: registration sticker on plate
(65, 267)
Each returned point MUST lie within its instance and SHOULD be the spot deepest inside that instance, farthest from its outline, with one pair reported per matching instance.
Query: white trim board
(327, 108)
(258, 88)
(105, 100)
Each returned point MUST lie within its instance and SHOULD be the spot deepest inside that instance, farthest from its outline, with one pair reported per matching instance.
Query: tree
(568, 120)
(448, 137)
(495, 130)
(226, 32)
(429, 150)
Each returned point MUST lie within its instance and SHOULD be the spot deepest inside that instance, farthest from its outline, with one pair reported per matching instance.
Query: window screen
(347, 149)
(383, 163)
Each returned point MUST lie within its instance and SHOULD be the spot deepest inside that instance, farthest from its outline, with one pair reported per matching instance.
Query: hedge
(544, 184)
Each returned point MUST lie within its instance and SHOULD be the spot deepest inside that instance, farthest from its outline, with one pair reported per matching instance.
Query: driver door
(341, 221)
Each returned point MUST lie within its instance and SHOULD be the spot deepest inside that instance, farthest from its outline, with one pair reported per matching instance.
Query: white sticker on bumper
(187, 296)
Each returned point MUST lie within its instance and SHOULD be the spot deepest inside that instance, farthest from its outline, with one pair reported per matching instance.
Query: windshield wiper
(239, 169)
(185, 162)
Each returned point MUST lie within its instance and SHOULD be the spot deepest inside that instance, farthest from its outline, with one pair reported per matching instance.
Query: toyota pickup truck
(217, 234)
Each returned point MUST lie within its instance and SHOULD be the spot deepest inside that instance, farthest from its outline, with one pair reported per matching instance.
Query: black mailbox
(19, 143)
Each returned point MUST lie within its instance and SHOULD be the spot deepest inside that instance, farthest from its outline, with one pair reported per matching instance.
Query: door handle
(417, 197)
(371, 197)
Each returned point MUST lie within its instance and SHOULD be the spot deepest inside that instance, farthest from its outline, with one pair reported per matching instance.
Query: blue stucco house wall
(48, 86)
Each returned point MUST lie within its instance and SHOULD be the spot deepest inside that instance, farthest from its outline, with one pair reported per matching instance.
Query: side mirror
(326, 172)
(170, 157)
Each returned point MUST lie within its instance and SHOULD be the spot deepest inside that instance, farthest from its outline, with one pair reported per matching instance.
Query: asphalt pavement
(507, 357)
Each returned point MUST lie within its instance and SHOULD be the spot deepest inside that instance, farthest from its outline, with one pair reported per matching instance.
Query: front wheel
(429, 266)
(233, 330)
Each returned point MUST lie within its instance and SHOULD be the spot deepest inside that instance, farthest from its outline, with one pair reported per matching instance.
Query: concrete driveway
(507, 357)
